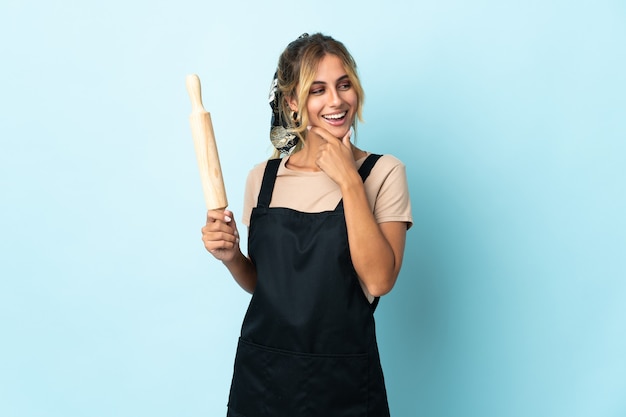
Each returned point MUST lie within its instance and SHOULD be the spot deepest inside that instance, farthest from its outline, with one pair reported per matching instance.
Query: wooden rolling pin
(206, 148)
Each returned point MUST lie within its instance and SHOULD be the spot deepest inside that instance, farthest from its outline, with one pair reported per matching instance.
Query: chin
(343, 132)
(339, 131)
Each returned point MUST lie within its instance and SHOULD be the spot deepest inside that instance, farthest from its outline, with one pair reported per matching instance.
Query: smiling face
(332, 101)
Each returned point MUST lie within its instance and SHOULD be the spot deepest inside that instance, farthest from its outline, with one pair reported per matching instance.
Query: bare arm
(221, 239)
(376, 249)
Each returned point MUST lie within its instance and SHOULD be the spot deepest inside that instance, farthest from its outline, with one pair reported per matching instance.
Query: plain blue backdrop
(510, 117)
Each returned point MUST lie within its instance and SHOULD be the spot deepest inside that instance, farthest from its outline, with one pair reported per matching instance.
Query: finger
(225, 216)
(346, 138)
(227, 243)
(217, 227)
(219, 240)
(218, 230)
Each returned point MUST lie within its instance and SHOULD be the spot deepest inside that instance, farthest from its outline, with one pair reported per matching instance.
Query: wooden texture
(206, 148)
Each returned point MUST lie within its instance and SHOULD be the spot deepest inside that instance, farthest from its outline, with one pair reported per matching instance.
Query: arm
(221, 239)
(376, 249)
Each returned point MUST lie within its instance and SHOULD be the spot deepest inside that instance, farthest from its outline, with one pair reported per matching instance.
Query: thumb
(346, 138)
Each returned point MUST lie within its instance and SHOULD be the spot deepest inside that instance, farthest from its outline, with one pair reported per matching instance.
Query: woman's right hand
(220, 235)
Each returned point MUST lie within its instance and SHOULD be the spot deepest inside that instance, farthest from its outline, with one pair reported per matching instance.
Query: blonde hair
(296, 71)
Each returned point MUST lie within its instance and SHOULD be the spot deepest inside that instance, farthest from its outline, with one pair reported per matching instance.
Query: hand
(220, 235)
(335, 156)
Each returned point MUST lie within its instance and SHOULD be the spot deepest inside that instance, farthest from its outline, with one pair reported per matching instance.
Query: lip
(336, 121)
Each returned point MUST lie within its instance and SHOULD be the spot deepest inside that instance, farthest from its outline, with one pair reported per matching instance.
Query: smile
(336, 116)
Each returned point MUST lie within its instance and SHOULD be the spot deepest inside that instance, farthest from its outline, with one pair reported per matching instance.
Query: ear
(292, 102)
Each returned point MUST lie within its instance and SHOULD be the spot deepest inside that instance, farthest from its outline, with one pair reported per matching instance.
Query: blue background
(510, 117)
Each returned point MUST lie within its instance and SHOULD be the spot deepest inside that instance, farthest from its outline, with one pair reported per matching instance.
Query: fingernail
(236, 233)
(227, 219)
(309, 127)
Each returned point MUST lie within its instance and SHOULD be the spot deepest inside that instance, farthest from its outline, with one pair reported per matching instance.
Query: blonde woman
(327, 226)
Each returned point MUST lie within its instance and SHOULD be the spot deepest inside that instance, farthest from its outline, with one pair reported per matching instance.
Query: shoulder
(255, 177)
(388, 165)
(389, 191)
(253, 186)
(388, 160)
(258, 169)
(255, 174)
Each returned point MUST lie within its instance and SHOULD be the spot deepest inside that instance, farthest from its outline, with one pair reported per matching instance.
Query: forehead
(330, 67)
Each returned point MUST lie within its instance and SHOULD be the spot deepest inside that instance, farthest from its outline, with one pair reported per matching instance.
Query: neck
(304, 160)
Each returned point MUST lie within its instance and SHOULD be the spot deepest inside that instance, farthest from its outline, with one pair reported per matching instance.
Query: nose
(334, 97)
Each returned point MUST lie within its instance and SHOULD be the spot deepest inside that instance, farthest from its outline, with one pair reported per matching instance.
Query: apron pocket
(279, 383)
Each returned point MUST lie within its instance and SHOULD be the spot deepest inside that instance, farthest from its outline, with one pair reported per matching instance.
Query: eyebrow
(343, 77)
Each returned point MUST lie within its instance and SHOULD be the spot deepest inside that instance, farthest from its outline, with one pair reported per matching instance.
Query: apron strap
(364, 172)
(267, 185)
(367, 165)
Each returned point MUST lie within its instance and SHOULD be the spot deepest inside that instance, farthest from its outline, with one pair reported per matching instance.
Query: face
(332, 102)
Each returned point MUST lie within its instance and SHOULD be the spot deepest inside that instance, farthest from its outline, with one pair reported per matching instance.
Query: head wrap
(282, 139)
(281, 134)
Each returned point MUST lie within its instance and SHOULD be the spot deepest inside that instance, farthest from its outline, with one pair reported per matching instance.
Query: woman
(324, 244)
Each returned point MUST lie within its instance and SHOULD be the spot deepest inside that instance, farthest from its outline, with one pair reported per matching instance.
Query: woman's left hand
(334, 156)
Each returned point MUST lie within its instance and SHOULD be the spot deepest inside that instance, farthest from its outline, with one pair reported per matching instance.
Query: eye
(317, 91)
(345, 86)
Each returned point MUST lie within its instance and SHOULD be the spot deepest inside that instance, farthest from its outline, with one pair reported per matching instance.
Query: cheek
(355, 101)
(313, 108)
(351, 98)
(353, 108)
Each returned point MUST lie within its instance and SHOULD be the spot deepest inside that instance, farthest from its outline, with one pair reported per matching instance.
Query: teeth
(335, 116)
